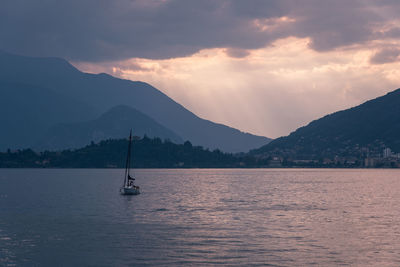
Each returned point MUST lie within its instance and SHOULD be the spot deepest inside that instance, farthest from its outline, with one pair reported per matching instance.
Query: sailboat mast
(128, 159)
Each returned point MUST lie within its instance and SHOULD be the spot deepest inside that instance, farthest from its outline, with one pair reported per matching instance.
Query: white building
(387, 153)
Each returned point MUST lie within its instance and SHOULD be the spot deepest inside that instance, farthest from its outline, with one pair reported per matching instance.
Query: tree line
(146, 153)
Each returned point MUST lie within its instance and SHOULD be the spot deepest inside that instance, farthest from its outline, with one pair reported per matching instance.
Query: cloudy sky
(262, 66)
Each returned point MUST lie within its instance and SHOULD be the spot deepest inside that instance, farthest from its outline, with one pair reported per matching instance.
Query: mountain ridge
(113, 124)
(103, 92)
(370, 126)
(23, 121)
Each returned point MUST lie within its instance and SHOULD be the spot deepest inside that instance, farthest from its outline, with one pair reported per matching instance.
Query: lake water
(273, 217)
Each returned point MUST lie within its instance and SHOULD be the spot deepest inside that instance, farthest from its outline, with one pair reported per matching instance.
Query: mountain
(28, 111)
(102, 92)
(113, 124)
(367, 128)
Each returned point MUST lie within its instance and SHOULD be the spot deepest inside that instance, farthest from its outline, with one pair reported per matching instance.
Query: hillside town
(364, 158)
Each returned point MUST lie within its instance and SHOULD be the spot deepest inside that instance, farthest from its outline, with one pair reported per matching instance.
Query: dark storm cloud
(386, 55)
(236, 52)
(98, 30)
(333, 24)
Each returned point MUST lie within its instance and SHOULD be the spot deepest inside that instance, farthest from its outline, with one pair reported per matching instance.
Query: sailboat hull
(134, 190)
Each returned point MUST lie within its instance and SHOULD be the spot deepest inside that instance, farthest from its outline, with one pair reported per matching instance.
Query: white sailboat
(129, 188)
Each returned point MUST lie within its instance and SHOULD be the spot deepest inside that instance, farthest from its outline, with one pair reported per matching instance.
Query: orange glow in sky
(270, 91)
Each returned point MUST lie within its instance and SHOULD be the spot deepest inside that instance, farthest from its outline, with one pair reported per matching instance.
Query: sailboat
(129, 188)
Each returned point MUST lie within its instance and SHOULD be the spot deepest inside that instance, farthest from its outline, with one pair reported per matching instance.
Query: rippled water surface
(273, 217)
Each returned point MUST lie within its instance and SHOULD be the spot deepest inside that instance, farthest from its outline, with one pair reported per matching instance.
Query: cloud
(101, 30)
(386, 55)
(237, 53)
(262, 66)
(272, 91)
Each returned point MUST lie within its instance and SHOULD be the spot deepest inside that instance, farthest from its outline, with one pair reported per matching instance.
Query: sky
(262, 66)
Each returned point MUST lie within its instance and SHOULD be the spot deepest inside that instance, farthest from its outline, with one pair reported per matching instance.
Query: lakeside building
(387, 153)
(372, 156)
(369, 162)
